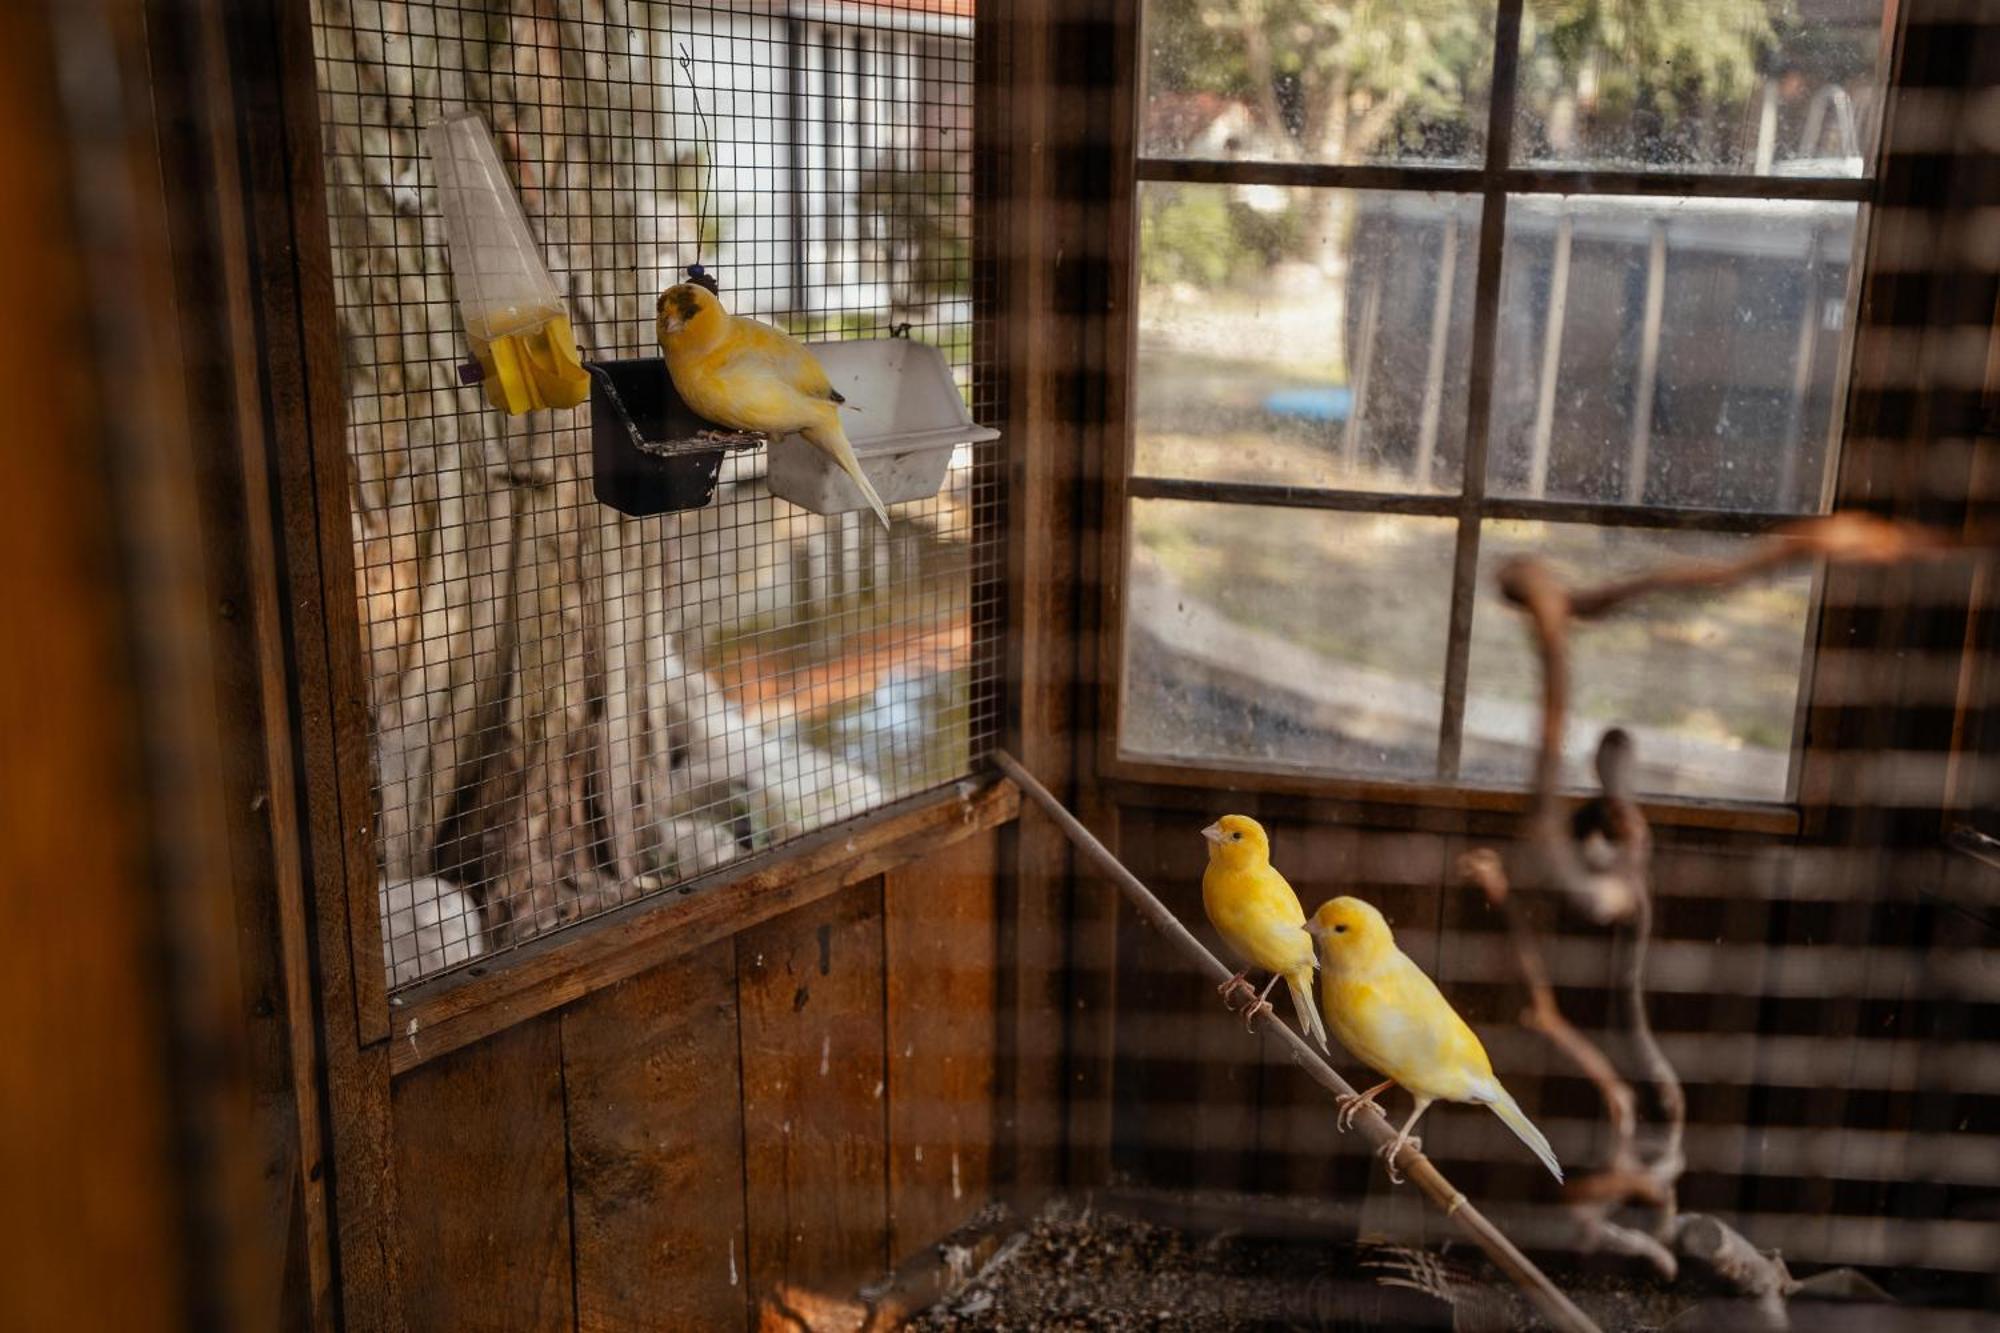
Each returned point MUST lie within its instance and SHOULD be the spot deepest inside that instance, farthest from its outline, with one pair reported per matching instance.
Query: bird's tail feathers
(1310, 1023)
(1512, 1116)
(833, 441)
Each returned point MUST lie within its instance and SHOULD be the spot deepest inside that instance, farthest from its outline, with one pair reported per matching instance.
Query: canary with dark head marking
(746, 375)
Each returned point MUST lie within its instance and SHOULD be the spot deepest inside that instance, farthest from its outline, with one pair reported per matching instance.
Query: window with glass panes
(1426, 285)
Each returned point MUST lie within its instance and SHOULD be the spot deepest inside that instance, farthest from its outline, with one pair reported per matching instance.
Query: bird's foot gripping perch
(1258, 1003)
(1352, 1102)
(1230, 989)
(1389, 1151)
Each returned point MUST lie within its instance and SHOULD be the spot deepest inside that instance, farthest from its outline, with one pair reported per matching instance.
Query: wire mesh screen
(572, 707)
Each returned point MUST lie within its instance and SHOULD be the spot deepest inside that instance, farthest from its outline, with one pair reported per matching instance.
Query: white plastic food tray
(907, 417)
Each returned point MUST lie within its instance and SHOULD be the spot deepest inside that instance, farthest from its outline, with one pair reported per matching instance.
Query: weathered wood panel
(482, 1188)
(656, 1148)
(548, 973)
(1185, 1091)
(810, 989)
(940, 952)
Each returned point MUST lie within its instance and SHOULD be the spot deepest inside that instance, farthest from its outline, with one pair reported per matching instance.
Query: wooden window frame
(1494, 182)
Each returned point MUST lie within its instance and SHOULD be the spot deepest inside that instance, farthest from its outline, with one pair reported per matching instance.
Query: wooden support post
(1552, 339)
(1427, 427)
(1371, 316)
(1649, 364)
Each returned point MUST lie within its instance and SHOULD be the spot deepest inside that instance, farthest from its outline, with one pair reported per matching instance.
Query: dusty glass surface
(1771, 87)
(1301, 81)
(1706, 682)
(1312, 337)
(1286, 636)
(1669, 351)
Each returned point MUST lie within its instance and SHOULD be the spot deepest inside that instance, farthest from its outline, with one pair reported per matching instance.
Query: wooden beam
(1144, 780)
(1043, 75)
(1281, 495)
(1513, 180)
(653, 1095)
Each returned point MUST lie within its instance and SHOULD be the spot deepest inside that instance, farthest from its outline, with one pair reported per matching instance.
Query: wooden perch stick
(1622, 892)
(1558, 1309)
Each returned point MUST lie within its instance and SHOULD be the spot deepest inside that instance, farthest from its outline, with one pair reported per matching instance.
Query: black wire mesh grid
(573, 708)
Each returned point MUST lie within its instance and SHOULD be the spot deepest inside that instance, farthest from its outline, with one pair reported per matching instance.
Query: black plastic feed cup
(647, 447)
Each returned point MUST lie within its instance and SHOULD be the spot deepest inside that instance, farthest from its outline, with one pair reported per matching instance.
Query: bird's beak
(671, 323)
(1312, 928)
(1213, 832)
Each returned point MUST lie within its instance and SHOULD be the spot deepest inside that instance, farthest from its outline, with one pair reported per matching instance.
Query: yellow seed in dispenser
(534, 365)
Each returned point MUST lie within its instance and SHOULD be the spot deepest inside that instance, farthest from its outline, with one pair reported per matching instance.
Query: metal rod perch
(1558, 1309)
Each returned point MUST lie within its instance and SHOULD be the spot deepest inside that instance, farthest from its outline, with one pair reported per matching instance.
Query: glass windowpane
(1296, 81)
(1708, 683)
(1309, 337)
(1286, 636)
(1669, 351)
(1766, 87)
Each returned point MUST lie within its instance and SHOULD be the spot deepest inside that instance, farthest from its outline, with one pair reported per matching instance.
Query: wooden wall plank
(810, 989)
(1185, 1090)
(482, 1186)
(306, 600)
(656, 1148)
(940, 951)
(562, 966)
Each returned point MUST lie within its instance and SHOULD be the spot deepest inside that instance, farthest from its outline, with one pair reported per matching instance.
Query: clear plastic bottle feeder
(908, 418)
(514, 317)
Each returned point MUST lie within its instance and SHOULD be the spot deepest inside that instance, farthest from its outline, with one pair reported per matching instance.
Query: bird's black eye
(1340, 930)
(1236, 837)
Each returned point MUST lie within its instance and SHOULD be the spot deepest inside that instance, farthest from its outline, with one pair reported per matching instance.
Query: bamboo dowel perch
(1558, 1309)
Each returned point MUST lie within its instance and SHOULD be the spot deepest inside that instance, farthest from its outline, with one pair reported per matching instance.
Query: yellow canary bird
(1254, 909)
(746, 375)
(1393, 1018)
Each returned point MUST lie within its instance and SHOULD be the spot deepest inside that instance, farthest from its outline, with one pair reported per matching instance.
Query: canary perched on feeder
(1255, 911)
(746, 375)
(1394, 1019)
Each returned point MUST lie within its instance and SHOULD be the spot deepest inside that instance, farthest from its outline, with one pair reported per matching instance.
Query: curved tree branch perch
(1599, 858)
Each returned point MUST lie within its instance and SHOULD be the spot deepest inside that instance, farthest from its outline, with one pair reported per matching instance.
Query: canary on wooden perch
(1394, 1019)
(1257, 914)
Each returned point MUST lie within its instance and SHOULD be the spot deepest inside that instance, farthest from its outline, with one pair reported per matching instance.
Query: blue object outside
(1329, 402)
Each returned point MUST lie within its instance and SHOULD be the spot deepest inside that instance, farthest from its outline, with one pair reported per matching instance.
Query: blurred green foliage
(1374, 79)
(916, 221)
(1206, 237)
